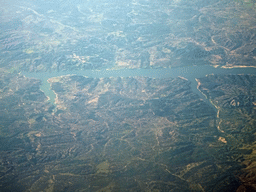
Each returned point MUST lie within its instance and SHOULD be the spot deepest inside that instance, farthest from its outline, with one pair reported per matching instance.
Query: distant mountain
(126, 34)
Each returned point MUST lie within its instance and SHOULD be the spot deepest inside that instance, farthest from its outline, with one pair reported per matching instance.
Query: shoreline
(237, 66)
(190, 73)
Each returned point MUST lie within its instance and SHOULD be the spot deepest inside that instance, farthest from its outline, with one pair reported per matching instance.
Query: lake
(189, 72)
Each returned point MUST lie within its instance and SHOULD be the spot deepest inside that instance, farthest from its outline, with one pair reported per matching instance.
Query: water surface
(189, 72)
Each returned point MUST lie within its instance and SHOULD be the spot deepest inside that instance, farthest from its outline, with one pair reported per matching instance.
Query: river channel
(189, 72)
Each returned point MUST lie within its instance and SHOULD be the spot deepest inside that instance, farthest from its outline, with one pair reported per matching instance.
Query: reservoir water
(189, 72)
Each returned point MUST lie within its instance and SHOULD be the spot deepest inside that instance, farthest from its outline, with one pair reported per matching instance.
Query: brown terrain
(127, 134)
(56, 36)
(235, 98)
